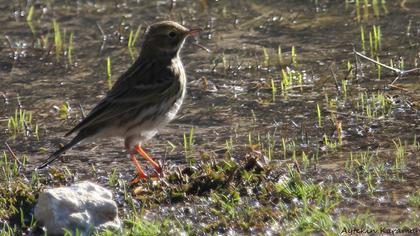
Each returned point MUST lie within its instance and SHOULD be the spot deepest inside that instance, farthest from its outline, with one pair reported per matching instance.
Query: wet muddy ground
(284, 129)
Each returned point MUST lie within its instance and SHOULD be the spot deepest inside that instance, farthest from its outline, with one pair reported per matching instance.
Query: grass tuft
(108, 72)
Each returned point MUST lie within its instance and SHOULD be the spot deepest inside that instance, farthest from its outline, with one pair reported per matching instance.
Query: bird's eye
(171, 34)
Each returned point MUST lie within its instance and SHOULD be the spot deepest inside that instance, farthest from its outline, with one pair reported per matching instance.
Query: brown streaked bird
(143, 100)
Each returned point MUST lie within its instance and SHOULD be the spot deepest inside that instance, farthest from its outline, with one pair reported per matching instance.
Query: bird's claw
(137, 179)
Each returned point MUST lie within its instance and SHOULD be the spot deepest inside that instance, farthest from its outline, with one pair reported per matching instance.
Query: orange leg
(148, 158)
(140, 171)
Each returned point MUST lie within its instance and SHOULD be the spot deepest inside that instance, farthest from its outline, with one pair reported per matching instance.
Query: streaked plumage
(145, 98)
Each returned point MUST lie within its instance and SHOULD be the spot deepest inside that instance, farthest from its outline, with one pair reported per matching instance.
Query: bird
(143, 100)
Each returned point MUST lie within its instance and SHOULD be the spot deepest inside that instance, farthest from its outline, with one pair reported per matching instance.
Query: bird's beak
(194, 31)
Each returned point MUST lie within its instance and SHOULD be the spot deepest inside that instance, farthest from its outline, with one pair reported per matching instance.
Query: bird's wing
(134, 88)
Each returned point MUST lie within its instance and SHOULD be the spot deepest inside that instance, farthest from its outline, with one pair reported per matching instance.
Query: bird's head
(165, 39)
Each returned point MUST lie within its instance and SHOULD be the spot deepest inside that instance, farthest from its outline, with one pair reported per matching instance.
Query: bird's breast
(164, 110)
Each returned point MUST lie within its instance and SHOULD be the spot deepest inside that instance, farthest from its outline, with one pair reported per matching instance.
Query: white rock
(84, 206)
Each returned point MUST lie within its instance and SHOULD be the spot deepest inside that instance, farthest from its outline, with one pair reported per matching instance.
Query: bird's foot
(158, 170)
(140, 172)
(155, 165)
(156, 173)
(137, 179)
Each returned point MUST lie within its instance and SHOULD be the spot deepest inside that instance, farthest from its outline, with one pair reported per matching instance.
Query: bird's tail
(60, 151)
